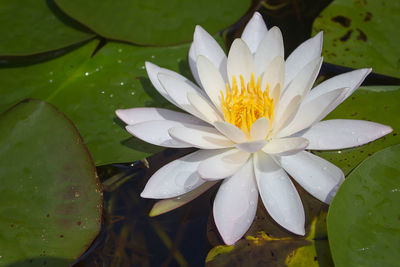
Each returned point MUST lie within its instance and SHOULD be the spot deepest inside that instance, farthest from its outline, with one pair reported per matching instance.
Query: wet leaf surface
(362, 33)
(89, 90)
(364, 217)
(373, 103)
(50, 196)
(35, 26)
(154, 22)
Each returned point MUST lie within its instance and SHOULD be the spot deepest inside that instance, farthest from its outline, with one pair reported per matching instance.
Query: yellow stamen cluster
(243, 107)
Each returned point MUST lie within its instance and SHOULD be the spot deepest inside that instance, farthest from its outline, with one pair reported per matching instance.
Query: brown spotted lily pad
(362, 33)
(50, 196)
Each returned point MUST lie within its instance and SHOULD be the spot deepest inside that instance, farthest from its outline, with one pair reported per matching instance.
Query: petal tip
(299, 231)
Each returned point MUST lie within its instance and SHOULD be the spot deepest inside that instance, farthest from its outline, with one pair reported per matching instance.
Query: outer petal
(302, 55)
(351, 80)
(223, 165)
(240, 61)
(177, 177)
(169, 204)
(200, 137)
(317, 176)
(339, 134)
(211, 80)
(285, 146)
(278, 194)
(153, 71)
(313, 112)
(235, 204)
(138, 115)
(270, 47)
(204, 44)
(230, 131)
(192, 57)
(156, 132)
(178, 90)
(254, 32)
(204, 107)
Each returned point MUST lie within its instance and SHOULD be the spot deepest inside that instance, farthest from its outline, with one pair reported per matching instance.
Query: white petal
(138, 115)
(274, 74)
(235, 204)
(177, 177)
(211, 80)
(252, 146)
(351, 80)
(339, 134)
(205, 44)
(165, 205)
(192, 57)
(240, 62)
(271, 46)
(156, 133)
(203, 106)
(230, 131)
(313, 112)
(259, 129)
(278, 194)
(303, 81)
(178, 90)
(254, 32)
(285, 146)
(285, 114)
(153, 71)
(302, 55)
(317, 176)
(223, 165)
(200, 137)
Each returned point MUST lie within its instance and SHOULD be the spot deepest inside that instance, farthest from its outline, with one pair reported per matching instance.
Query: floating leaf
(36, 26)
(364, 217)
(361, 33)
(154, 22)
(89, 90)
(378, 104)
(50, 197)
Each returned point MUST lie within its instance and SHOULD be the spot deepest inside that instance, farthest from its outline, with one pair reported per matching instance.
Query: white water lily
(252, 117)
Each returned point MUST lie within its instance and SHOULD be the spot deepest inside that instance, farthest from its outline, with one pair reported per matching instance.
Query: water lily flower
(252, 115)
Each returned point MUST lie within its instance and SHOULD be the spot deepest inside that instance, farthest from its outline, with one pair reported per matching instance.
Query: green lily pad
(364, 217)
(35, 26)
(374, 103)
(268, 244)
(154, 22)
(50, 196)
(89, 90)
(361, 33)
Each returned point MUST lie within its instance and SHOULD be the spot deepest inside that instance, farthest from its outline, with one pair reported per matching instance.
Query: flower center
(243, 107)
